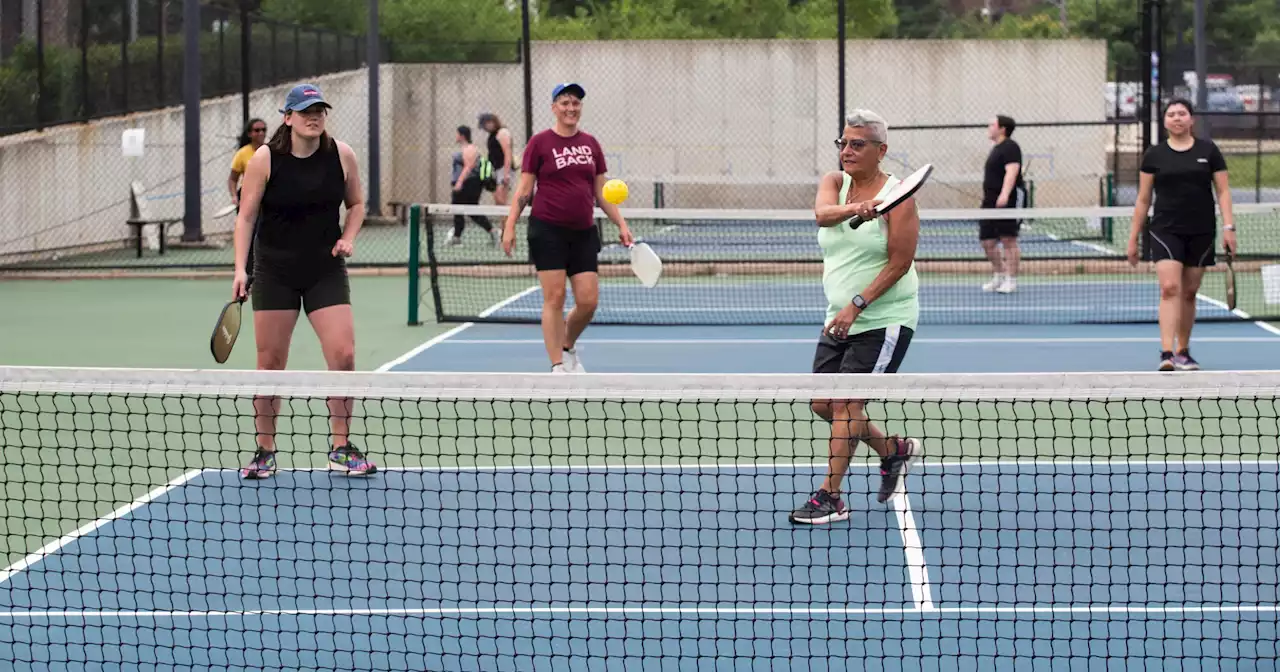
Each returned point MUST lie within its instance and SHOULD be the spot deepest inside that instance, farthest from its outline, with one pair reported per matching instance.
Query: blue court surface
(1226, 346)
(985, 566)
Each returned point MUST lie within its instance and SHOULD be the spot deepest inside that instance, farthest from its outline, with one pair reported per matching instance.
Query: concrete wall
(725, 123)
(750, 123)
(69, 186)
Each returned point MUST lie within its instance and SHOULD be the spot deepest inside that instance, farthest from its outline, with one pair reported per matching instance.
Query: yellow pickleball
(615, 191)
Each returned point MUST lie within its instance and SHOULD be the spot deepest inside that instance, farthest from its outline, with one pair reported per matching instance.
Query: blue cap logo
(569, 88)
(303, 96)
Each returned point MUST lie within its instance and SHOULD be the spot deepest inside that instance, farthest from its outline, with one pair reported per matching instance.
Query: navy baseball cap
(568, 87)
(303, 96)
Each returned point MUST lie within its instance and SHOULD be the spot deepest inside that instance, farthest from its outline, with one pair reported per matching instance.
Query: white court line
(807, 341)
(1241, 314)
(456, 330)
(54, 546)
(624, 610)
(779, 466)
(924, 309)
(917, 569)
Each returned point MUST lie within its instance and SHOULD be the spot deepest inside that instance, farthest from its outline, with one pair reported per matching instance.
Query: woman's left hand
(1229, 241)
(624, 235)
(343, 248)
(839, 326)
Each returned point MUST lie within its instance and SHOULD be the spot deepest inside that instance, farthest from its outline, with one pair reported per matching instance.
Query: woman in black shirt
(1183, 172)
(296, 183)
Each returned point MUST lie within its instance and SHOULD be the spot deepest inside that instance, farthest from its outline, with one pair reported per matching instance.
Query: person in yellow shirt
(253, 137)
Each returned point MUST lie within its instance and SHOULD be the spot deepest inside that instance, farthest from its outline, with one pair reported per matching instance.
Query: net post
(433, 265)
(415, 218)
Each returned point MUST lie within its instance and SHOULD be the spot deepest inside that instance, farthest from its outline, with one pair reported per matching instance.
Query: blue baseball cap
(303, 96)
(568, 87)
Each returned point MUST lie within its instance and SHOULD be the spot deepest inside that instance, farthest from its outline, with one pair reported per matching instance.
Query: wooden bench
(140, 218)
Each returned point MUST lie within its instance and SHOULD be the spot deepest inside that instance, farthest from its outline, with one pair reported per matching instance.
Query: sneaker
(1009, 286)
(262, 466)
(821, 508)
(453, 239)
(558, 368)
(1166, 361)
(495, 237)
(894, 468)
(350, 460)
(997, 281)
(1183, 362)
(572, 363)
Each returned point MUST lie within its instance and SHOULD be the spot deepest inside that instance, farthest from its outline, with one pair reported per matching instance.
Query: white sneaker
(997, 281)
(572, 363)
(1009, 286)
(558, 368)
(453, 239)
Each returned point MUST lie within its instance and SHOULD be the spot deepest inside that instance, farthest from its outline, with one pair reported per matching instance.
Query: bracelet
(1229, 228)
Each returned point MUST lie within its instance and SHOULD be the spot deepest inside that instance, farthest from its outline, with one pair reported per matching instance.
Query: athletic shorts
(290, 286)
(991, 229)
(559, 248)
(875, 351)
(1192, 250)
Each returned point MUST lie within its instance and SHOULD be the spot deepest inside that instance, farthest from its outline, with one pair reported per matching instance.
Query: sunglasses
(856, 144)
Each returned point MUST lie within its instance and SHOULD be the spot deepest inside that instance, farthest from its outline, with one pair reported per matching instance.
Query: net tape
(643, 386)
(786, 215)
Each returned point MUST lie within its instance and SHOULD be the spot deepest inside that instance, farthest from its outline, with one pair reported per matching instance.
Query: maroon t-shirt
(566, 169)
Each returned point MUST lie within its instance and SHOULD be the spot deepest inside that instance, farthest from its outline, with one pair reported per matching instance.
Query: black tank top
(496, 156)
(300, 206)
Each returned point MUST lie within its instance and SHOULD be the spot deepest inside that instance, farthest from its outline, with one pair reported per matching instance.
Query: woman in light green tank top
(869, 278)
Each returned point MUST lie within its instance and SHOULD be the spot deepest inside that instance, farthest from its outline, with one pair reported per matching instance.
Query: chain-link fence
(90, 60)
(688, 123)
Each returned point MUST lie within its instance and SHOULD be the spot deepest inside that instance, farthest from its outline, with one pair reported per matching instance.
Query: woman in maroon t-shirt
(569, 168)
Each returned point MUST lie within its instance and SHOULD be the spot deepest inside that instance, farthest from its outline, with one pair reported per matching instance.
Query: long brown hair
(281, 141)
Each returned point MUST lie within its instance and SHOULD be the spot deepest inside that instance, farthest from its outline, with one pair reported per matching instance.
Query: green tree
(349, 16)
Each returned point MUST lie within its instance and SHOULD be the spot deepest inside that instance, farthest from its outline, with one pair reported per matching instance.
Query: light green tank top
(851, 260)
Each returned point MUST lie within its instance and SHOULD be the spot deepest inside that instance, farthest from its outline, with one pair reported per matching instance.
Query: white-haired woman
(872, 291)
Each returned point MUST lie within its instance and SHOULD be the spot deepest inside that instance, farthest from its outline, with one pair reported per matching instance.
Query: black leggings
(470, 195)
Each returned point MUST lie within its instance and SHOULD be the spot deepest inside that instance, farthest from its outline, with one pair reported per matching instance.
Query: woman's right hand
(508, 239)
(1132, 252)
(240, 286)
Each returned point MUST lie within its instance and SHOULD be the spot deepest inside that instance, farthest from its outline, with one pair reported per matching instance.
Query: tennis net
(537, 522)
(765, 267)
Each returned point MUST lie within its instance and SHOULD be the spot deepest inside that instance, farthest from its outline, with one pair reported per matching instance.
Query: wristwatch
(859, 302)
(1228, 228)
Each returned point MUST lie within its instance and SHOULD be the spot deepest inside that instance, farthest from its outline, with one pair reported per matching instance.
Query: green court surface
(166, 323)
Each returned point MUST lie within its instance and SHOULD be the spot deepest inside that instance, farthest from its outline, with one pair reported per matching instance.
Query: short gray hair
(871, 121)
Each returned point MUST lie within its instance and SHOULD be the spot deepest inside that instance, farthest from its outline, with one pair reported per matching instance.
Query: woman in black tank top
(289, 228)
(500, 155)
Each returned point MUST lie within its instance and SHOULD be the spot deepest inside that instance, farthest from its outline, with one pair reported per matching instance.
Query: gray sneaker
(893, 469)
(821, 508)
(1183, 362)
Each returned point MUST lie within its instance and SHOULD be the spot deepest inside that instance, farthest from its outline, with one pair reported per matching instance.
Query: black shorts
(559, 248)
(279, 285)
(875, 351)
(991, 229)
(1192, 250)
